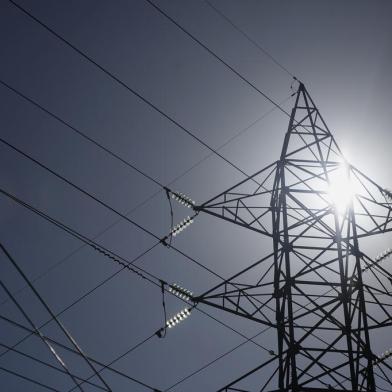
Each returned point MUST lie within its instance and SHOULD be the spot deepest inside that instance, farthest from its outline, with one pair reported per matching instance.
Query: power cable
(217, 359)
(151, 336)
(99, 248)
(48, 365)
(121, 356)
(36, 104)
(115, 257)
(137, 94)
(214, 151)
(78, 300)
(106, 253)
(161, 333)
(47, 344)
(205, 47)
(89, 292)
(80, 133)
(249, 38)
(21, 376)
(143, 98)
(107, 206)
(126, 162)
(99, 201)
(271, 352)
(96, 199)
(73, 252)
(73, 351)
(49, 310)
(111, 75)
(78, 188)
(232, 69)
(55, 174)
(171, 213)
(13, 348)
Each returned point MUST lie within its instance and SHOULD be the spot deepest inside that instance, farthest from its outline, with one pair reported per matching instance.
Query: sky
(341, 51)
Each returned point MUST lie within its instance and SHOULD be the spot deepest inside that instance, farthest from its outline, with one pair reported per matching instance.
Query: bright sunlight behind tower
(340, 188)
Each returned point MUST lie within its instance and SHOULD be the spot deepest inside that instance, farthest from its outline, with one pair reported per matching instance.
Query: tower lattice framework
(325, 297)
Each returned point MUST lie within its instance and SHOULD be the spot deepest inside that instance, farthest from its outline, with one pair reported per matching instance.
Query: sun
(340, 188)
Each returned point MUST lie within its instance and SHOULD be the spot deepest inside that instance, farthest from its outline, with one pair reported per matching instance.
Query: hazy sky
(342, 51)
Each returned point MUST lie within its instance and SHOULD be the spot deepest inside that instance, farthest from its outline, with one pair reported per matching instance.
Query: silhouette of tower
(323, 295)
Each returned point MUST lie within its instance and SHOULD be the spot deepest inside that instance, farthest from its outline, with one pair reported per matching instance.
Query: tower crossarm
(247, 204)
(249, 293)
(372, 203)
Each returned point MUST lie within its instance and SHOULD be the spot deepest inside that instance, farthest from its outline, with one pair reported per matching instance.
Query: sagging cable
(187, 202)
(161, 333)
(167, 190)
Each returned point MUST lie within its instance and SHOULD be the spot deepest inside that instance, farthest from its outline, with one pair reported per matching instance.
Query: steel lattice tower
(324, 296)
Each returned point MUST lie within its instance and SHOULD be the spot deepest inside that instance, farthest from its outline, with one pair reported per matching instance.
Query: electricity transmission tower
(325, 297)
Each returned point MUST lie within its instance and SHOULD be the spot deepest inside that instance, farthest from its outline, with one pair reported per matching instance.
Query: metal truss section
(249, 294)
(248, 203)
(325, 297)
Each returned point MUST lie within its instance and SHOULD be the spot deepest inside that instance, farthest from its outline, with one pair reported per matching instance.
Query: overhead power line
(249, 38)
(89, 292)
(107, 366)
(31, 380)
(162, 187)
(213, 54)
(214, 151)
(111, 75)
(139, 95)
(114, 257)
(71, 350)
(325, 240)
(79, 132)
(49, 365)
(107, 206)
(49, 346)
(99, 201)
(236, 167)
(49, 310)
(233, 70)
(295, 347)
(90, 242)
(112, 362)
(226, 353)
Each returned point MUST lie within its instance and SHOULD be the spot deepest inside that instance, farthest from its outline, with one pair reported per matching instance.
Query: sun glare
(340, 189)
